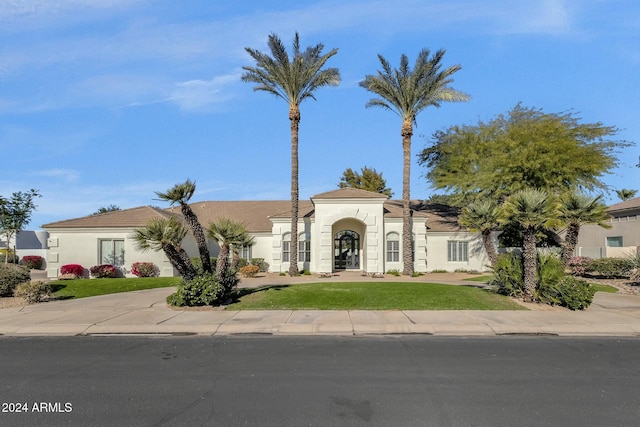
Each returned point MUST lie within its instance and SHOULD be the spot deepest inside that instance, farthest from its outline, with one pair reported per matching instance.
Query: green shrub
(568, 292)
(508, 275)
(439, 271)
(11, 275)
(416, 274)
(611, 267)
(32, 262)
(394, 272)
(282, 274)
(260, 262)
(13, 258)
(197, 263)
(32, 292)
(204, 289)
(242, 262)
(249, 270)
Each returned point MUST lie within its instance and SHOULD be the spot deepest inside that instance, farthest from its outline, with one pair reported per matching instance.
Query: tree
(106, 209)
(482, 217)
(293, 80)
(367, 179)
(534, 210)
(181, 194)
(166, 235)
(15, 214)
(626, 194)
(526, 148)
(576, 210)
(228, 234)
(407, 92)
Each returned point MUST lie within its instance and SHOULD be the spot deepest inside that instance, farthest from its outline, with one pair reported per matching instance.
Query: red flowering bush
(145, 269)
(579, 265)
(104, 270)
(32, 261)
(75, 269)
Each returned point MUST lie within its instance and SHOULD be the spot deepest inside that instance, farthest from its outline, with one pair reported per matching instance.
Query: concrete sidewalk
(146, 312)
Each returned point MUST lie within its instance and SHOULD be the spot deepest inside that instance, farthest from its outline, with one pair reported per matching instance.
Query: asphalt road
(319, 381)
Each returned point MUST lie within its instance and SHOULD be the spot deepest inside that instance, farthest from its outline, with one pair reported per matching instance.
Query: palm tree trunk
(570, 242)
(222, 263)
(198, 235)
(407, 223)
(177, 259)
(294, 116)
(492, 253)
(530, 264)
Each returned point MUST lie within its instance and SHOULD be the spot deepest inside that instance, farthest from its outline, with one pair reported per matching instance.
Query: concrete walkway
(146, 312)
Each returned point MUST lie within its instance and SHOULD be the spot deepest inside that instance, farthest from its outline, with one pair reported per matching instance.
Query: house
(342, 229)
(622, 239)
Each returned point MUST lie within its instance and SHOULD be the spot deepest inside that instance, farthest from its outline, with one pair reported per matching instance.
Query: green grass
(371, 296)
(82, 288)
(483, 279)
(604, 288)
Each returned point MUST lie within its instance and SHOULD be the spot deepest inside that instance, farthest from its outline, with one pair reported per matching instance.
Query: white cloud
(64, 175)
(199, 95)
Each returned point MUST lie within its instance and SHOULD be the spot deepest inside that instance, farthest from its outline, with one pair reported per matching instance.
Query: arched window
(304, 247)
(286, 247)
(393, 247)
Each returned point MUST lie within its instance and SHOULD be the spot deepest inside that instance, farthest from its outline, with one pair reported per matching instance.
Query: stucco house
(622, 239)
(342, 229)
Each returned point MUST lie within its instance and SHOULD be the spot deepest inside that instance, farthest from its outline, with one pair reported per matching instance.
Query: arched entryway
(346, 248)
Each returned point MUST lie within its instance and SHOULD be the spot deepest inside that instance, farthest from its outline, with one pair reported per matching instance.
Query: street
(400, 380)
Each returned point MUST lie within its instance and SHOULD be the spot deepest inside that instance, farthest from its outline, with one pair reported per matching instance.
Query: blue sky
(106, 101)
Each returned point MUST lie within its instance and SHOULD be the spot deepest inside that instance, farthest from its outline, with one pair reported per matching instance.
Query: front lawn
(372, 296)
(82, 288)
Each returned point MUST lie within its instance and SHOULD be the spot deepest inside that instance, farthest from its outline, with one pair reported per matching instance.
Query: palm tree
(578, 209)
(166, 235)
(228, 234)
(482, 217)
(246, 241)
(407, 92)
(534, 211)
(294, 80)
(181, 194)
(626, 194)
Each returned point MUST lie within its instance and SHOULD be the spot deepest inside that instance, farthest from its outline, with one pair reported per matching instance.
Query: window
(286, 247)
(393, 247)
(112, 252)
(245, 252)
(614, 242)
(304, 248)
(457, 251)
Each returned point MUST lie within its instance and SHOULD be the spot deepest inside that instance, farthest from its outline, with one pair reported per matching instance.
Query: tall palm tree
(181, 194)
(483, 217)
(407, 92)
(575, 210)
(227, 233)
(166, 235)
(293, 79)
(626, 194)
(534, 211)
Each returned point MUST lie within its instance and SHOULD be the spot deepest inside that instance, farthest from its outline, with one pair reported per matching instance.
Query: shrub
(145, 269)
(579, 265)
(394, 272)
(32, 261)
(75, 269)
(282, 274)
(11, 275)
(508, 275)
(197, 263)
(260, 262)
(439, 271)
(249, 270)
(611, 267)
(568, 292)
(242, 262)
(204, 289)
(12, 258)
(102, 271)
(33, 292)
(416, 274)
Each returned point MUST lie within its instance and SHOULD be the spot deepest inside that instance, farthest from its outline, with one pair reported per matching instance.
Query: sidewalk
(146, 312)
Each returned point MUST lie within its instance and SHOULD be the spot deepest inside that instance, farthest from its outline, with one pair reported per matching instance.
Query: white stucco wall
(437, 250)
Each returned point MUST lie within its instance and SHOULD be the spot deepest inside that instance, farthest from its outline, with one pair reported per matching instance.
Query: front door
(346, 250)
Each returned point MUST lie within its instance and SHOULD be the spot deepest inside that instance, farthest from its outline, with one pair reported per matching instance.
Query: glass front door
(346, 247)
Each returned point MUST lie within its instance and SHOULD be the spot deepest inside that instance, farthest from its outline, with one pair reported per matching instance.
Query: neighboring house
(622, 239)
(342, 229)
(28, 242)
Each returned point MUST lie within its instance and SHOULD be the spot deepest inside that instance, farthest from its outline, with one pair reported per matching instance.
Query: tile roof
(349, 193)
(627, 204)
(134, 217)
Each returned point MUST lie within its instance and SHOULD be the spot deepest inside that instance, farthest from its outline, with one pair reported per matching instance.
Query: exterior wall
(281, 226)
(82, 247)
(437, 249)
(592, 240)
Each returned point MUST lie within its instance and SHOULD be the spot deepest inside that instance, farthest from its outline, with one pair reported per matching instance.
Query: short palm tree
(166, 235)
(294, 80)
(246, 241)
(482, 217)
(181, 194)
(534, 211)
(626, 194)
(575, 210)
(228, 234)
(407, 92)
